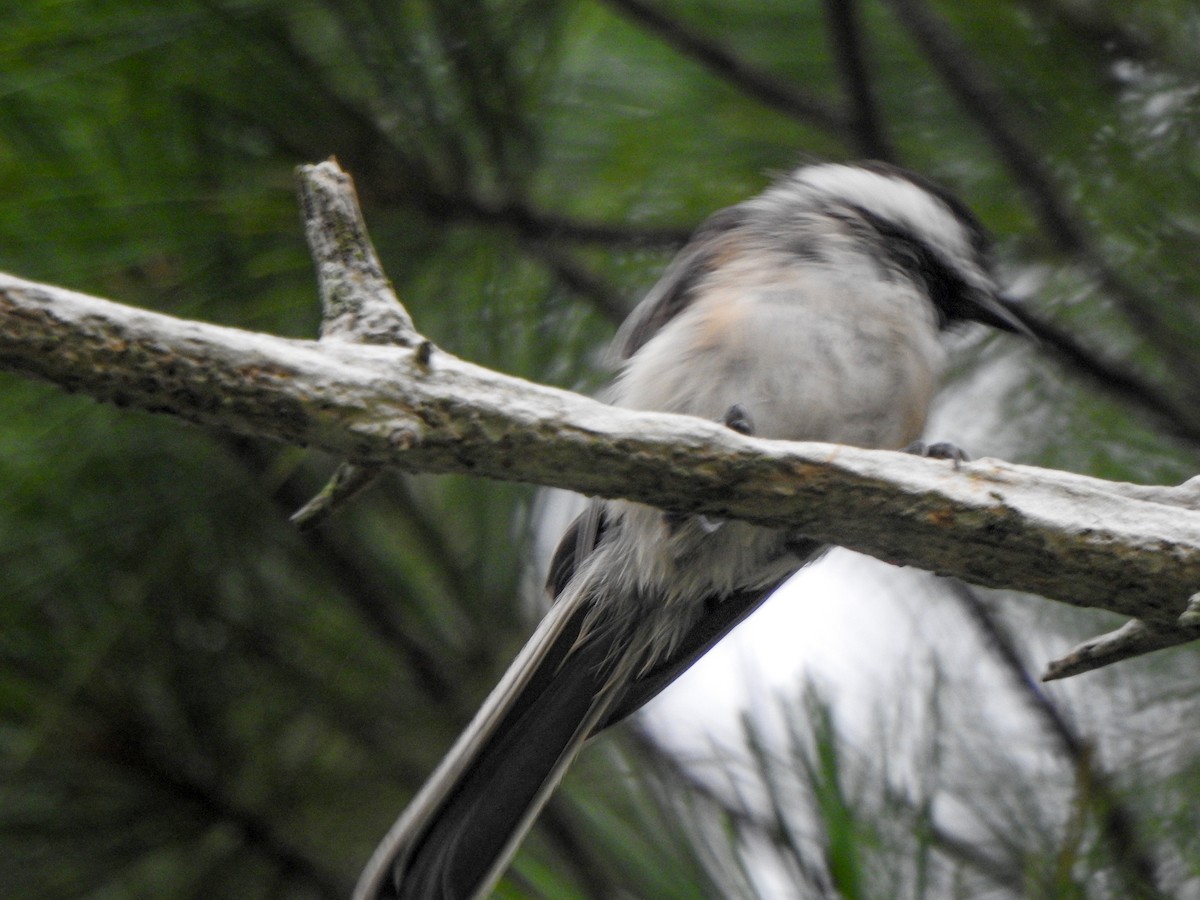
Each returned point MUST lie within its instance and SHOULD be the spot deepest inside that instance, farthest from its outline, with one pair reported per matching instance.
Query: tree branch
(1127, 548)
(753, 82)
(1112, 376)
(849, 41)
(1085, 541)
(357, 300)
(986, 104)
(534, 223)
(1134, 638)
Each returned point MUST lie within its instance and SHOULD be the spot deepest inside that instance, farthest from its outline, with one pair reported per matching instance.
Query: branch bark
(1132, 549)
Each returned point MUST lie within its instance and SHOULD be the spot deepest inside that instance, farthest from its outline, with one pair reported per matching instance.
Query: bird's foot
(939, 450)
(737, 419)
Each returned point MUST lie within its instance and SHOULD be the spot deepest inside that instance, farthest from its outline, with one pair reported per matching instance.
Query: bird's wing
(721, 615)
(674, 291)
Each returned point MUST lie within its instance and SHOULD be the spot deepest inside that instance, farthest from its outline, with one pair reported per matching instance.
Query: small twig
(356, 297)
(848, 45)
(756, 83)
(1134, 638)
(358, 301)
(345, 482)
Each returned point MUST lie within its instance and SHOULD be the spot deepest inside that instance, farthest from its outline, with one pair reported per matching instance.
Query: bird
(813, 311)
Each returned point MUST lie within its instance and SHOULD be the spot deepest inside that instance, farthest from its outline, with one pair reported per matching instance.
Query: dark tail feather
(461, 829)
(718, 620)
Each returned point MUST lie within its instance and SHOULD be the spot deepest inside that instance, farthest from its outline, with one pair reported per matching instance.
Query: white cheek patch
(892, 198)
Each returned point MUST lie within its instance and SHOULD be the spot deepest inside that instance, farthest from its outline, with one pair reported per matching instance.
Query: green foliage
(197, 701)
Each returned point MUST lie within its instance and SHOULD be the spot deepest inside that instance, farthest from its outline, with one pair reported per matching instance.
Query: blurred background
(197, 701)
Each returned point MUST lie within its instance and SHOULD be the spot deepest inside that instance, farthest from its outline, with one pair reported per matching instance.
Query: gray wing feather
(675, 290)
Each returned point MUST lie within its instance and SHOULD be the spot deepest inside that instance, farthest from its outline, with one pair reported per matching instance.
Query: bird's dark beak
(1000, 311)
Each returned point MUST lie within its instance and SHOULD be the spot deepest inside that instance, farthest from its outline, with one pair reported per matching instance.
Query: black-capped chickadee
(810, 312)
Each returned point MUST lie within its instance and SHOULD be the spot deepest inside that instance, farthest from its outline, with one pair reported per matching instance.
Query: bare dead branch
(357, 300)
(1133, 549)
(1134, 638)
(1080, 540)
